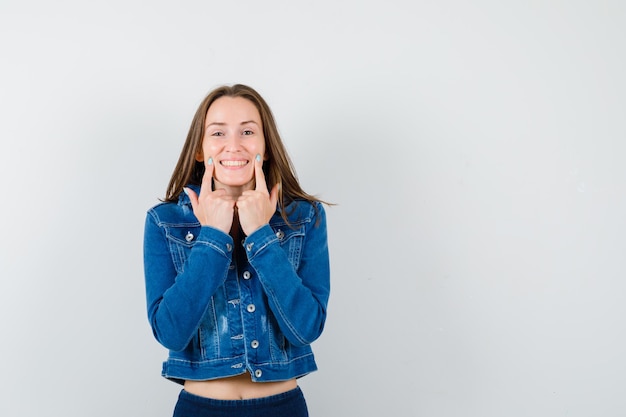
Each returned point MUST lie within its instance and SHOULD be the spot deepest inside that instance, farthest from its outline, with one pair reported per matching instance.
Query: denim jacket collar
(183, 198)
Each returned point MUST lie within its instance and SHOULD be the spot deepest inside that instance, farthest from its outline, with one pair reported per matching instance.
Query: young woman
(236, 265)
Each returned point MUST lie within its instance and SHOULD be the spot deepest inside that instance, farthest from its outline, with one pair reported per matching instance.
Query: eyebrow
(224, 124)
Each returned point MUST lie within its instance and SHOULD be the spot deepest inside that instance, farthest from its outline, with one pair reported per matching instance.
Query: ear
(200, 156)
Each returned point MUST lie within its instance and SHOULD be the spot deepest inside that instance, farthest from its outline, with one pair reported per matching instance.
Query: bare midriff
(238, 387)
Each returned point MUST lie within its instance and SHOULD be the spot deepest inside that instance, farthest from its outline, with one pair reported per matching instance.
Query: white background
(475, 151)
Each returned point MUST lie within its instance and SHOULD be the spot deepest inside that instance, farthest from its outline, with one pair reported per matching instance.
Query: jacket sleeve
(299, 298)
(178, 301)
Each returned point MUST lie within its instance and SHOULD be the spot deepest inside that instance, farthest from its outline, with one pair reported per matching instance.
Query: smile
(234, 163)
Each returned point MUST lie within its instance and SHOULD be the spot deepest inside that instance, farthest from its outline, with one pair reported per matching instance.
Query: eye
(217, 133)
(248, 132)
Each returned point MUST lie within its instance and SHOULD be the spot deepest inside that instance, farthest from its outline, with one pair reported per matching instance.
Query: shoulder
(172, 213)
(300, 212)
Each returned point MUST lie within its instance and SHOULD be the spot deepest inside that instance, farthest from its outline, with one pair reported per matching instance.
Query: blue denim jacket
(220, 314)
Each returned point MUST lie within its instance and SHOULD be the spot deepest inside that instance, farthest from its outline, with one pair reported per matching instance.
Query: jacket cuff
(215, 238)
(258, 240)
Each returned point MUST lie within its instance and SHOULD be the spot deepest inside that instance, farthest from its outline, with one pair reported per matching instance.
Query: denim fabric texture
(224, 307)
(287, 404)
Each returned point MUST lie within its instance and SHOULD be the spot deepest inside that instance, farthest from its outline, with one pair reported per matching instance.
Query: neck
(234, 191)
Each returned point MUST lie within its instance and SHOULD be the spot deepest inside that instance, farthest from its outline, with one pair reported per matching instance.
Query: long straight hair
(278, 168)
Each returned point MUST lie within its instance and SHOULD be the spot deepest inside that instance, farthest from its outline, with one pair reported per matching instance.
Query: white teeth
(234, 163)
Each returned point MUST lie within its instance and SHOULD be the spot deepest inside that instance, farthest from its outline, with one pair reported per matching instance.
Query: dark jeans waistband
(290, 403)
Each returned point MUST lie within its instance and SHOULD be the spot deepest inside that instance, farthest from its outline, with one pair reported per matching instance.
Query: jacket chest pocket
(291, 241)
(181, 240)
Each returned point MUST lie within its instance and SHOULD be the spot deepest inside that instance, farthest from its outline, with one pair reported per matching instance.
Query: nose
(233, 144)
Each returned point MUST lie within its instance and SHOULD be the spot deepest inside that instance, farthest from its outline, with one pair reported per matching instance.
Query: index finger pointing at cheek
(207, 178)
(261, 185)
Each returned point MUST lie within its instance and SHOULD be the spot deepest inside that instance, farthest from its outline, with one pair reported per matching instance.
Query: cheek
(260, 147)
(210, 147)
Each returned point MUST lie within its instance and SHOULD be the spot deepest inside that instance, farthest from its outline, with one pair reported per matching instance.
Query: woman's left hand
(256, 207)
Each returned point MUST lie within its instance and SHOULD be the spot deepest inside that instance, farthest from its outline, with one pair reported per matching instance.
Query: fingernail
(186, 190)
(258, 157)
(210, 161)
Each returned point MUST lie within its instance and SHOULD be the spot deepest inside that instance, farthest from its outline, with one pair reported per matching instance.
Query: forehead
(232, 110)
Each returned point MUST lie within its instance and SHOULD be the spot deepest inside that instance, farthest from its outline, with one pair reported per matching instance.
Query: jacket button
(254, 344)
(280, 235)
(251, 308)
(249, 246)
(258, 373)
(189, 237)
(229, 247)
(246, 275)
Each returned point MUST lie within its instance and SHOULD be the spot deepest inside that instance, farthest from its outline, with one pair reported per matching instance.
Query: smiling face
(233, 137)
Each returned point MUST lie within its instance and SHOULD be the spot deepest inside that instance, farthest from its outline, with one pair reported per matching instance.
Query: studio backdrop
(474, 152)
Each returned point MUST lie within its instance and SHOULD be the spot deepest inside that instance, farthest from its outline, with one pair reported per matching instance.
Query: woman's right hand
(212, 208)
